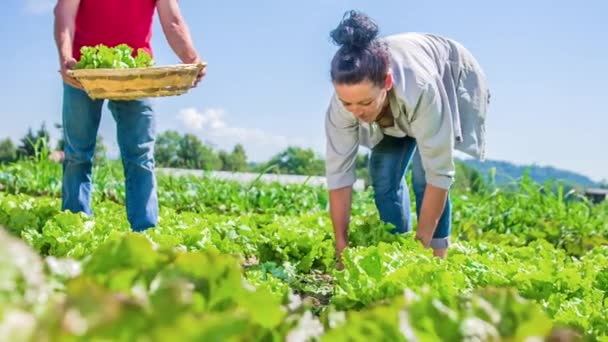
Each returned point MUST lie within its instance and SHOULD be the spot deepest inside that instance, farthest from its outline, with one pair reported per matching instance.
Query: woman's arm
(342, 137)
(340, 201)
(435, 141)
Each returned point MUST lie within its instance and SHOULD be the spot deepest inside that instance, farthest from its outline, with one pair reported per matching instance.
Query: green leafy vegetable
(118, 57)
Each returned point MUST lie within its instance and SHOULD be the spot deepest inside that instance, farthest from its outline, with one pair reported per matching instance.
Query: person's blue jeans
(135, 123)
(388, 163)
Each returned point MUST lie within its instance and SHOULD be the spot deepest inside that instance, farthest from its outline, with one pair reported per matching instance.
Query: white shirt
(439, 97)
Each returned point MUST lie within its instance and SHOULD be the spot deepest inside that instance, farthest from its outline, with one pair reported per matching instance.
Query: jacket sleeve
(432, 129)
(342, 143)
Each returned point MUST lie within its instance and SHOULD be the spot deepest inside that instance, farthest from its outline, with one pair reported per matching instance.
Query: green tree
(167, 148)
(296, 161)
(235, 161)
(194, 154)
(8, 152)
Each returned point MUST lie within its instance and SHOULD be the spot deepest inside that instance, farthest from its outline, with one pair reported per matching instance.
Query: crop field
(256, 262)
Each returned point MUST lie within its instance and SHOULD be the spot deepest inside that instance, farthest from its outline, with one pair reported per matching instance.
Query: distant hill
(507, 172)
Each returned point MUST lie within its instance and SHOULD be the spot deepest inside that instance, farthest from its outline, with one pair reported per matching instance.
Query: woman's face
(365, 100)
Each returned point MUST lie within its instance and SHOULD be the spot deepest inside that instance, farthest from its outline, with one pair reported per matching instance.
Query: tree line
(187, 151)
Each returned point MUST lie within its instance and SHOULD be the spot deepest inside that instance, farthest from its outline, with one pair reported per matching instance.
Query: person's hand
(340, 246)
(201, 72)
(425, 236)
(66, 65)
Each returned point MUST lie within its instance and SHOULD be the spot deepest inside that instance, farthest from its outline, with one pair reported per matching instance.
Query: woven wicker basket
(137, 83)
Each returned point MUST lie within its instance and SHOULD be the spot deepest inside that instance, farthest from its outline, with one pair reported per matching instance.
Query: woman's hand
(425, 235)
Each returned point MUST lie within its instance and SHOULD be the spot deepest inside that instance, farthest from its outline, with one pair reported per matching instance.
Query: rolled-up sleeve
(432, 128)
(342, 144)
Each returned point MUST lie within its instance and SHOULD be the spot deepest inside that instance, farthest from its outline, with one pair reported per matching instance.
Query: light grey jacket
(440, 97)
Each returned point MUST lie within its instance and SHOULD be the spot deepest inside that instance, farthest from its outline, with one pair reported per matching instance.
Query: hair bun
(356, 30)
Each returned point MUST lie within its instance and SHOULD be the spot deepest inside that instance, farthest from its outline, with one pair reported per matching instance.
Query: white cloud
(211, 125)
(195, 120)
(39, 6)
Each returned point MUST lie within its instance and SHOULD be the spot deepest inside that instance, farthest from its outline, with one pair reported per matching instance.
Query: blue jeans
(387, 167)
(135, 125)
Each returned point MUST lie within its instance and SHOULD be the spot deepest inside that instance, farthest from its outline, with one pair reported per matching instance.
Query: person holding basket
(87, 23)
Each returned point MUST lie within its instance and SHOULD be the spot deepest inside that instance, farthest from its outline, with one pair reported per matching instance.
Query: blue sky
(268, 85)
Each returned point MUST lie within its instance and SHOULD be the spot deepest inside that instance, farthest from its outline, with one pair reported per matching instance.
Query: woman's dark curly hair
(361, 55)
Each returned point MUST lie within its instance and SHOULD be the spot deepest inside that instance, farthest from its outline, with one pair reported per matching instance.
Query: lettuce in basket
(118, 57)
